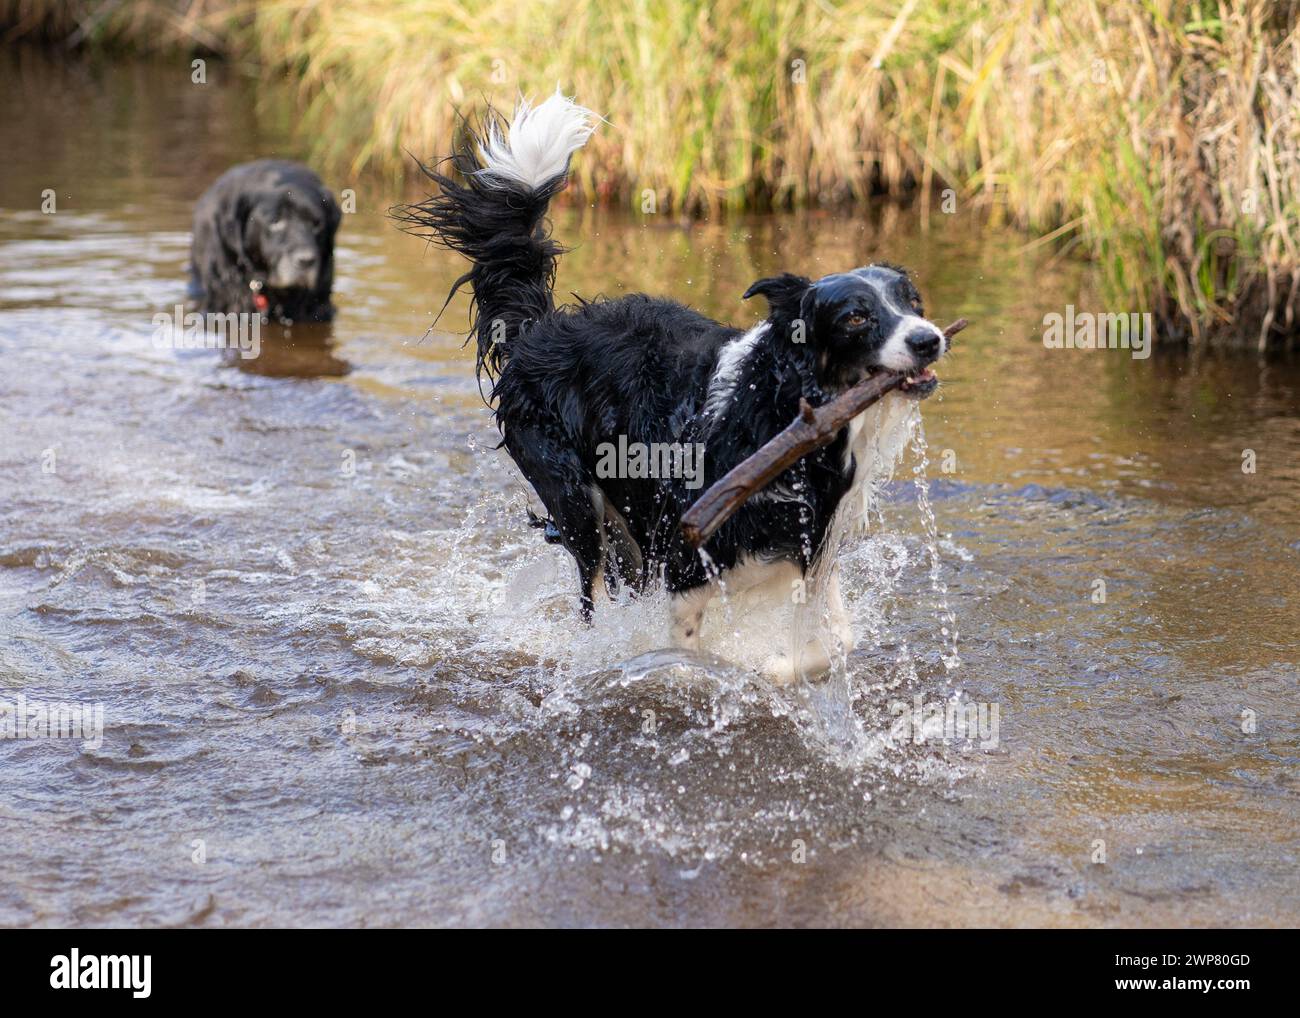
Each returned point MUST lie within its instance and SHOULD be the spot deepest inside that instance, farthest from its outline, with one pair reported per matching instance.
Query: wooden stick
(811, 430)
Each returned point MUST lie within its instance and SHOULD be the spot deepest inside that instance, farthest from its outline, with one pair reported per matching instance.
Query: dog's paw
(784, 670)
(780, 670)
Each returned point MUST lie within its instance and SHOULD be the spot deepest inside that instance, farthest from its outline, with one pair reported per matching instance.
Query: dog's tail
(496, 216)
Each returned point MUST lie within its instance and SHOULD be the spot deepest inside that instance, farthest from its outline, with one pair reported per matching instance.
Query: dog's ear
(333, 214)
(232, 223)
(785, 293)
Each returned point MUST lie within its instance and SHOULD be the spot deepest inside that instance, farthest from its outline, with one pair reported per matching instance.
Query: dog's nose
(924, 343)
(304, 258)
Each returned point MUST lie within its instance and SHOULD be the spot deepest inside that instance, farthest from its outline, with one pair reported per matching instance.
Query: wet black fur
(566, 380)
(226, 255)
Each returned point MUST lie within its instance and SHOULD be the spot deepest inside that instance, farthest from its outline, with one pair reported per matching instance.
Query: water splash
(512, 597)
(948, 618)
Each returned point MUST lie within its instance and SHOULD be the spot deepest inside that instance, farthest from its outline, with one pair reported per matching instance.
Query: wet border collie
(264, 242)
(570, 382)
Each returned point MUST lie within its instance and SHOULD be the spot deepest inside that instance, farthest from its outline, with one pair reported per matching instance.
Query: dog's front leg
(832, 639)
(688, 615)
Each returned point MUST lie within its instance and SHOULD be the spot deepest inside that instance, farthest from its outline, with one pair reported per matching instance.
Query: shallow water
(342, 682)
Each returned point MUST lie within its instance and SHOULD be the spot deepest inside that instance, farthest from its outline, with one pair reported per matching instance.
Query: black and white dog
(572, 382)
(264, 242)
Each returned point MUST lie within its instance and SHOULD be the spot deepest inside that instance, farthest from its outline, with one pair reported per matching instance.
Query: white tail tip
(539, 144)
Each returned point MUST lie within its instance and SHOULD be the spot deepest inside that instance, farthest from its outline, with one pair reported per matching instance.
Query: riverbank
(1156, 137)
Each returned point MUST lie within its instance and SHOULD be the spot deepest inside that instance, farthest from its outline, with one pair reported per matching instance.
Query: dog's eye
(855, 321)
(916, 303)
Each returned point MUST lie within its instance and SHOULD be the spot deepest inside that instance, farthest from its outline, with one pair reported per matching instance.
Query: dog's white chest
(877, 437)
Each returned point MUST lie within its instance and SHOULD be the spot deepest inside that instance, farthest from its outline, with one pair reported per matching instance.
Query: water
(343, 683)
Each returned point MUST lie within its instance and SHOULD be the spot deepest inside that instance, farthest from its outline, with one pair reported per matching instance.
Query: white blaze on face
(895, 354)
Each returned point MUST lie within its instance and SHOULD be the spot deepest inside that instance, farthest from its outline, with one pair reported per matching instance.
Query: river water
(342, 683)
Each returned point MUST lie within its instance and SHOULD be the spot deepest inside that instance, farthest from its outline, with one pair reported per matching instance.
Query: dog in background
(568, 381)
(264, 242)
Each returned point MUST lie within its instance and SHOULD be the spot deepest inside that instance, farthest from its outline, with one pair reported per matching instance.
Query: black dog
(576, 388)
(264, 242)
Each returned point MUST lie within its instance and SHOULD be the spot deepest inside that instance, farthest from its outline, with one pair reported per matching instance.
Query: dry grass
(1157, 136)
(141, 25)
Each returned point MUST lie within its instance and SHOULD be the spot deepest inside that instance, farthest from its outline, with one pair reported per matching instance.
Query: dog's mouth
(918, 385)
(291, 284)
(288, 273)
(921, 384)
